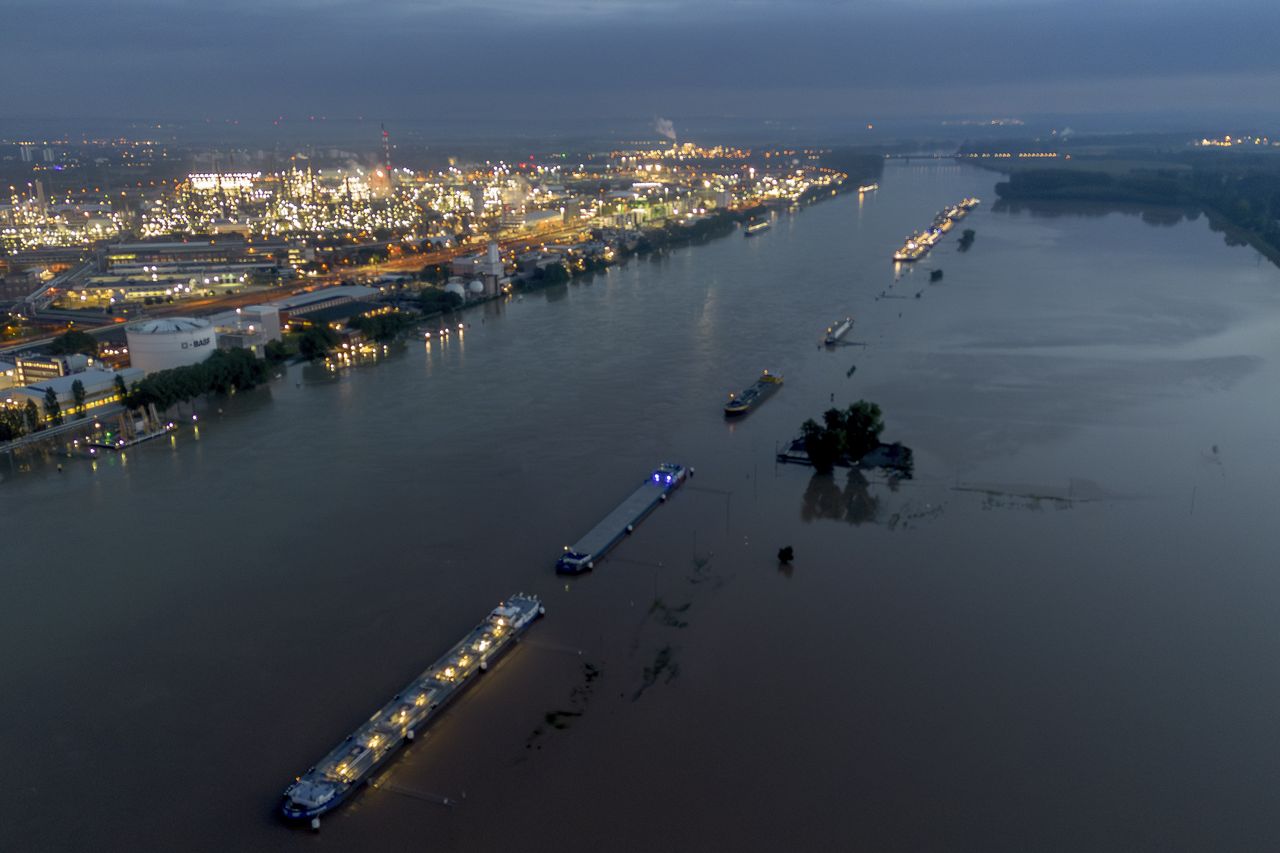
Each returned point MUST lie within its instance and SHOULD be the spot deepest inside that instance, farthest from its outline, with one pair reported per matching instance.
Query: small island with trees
(848, 438)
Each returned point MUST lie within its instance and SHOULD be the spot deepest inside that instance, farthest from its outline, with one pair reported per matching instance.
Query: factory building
(299, 306)
(33, 368)
(100, 389)
(251, 328)
(226, 253)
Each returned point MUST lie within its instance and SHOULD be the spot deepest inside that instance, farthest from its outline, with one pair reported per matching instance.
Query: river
(1058, 635)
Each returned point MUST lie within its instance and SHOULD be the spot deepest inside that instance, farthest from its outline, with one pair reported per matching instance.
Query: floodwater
(1059, 635)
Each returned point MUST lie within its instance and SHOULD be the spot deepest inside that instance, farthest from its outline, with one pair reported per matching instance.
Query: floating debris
(663, 665)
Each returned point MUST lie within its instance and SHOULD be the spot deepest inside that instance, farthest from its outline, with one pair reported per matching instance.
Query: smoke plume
(665, 127)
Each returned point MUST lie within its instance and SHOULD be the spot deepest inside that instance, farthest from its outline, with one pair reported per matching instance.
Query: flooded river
(1059, 635)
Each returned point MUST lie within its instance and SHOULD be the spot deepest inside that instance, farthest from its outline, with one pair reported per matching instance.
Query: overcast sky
(418, 59)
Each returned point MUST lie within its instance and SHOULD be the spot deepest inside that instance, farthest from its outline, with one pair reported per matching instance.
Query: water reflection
(853, 503)
(1154, 215)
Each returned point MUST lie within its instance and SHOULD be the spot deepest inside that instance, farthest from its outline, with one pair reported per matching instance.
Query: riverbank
(1240, 202)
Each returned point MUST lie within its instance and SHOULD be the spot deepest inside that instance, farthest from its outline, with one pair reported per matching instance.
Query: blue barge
(582, 555)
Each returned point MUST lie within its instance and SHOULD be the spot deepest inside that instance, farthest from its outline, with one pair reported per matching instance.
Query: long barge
(760, 390)
(352, 764)
(918, 245)
(581, 556)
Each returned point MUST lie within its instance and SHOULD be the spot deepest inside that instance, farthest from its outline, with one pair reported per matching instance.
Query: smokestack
(386, 152)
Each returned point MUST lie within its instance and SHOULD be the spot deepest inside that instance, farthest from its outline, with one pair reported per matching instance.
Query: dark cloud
(418, 59)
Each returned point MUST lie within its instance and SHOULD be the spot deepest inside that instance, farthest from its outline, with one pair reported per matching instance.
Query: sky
(575, 60)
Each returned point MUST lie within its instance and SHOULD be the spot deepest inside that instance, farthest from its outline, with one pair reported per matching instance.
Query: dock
(352, 764)
(582, 555)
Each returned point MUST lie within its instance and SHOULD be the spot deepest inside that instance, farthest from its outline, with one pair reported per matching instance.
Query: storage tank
(455, 287)
(476, 287)
(160, 344)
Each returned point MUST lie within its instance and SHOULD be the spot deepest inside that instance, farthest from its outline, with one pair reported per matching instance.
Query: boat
(838, 330)
(918, 245)
(756, 227)
(351, 765)
(868, 188)
(911, 250)
(581, 556)
(740, 404)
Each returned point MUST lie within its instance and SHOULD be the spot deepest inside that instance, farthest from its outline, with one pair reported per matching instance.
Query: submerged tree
(316, 342)
(845, 435)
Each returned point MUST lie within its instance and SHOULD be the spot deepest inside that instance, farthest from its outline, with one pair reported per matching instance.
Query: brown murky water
(1059, 635)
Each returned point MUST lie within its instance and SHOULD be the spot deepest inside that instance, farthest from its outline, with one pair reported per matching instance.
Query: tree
(52, 410)
(843, 436)
(431, 301)
(77, 395)
(821, 444)
(11, 425)
(32, 416)
(74, 341)
(316, 342)
(556, 273)
(862, 425)
(120, 387)
(276, 351)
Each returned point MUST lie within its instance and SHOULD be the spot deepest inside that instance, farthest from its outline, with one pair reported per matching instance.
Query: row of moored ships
(355, 761)
(918, 245)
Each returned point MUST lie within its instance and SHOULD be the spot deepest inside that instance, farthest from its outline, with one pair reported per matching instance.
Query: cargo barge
(756, 227)
(581, 556)
(760, 390)
(836, 331)
(352, 764)
(918, 245)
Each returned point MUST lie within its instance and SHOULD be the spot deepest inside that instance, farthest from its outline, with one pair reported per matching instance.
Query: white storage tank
(476, 287)
(455, 287)
(160, 344)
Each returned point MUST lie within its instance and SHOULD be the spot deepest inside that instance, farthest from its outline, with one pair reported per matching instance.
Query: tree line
(224, 371)
(1241, 197)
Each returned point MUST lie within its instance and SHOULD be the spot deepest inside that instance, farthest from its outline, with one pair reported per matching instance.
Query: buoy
(630, 528)
(542, 611)
(410, 735)
(662, 498)
(315, 824)
(484, 666)
(691, 472)
(591, 565)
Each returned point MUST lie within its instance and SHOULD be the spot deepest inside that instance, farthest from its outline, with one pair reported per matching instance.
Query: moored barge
(352, 764)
